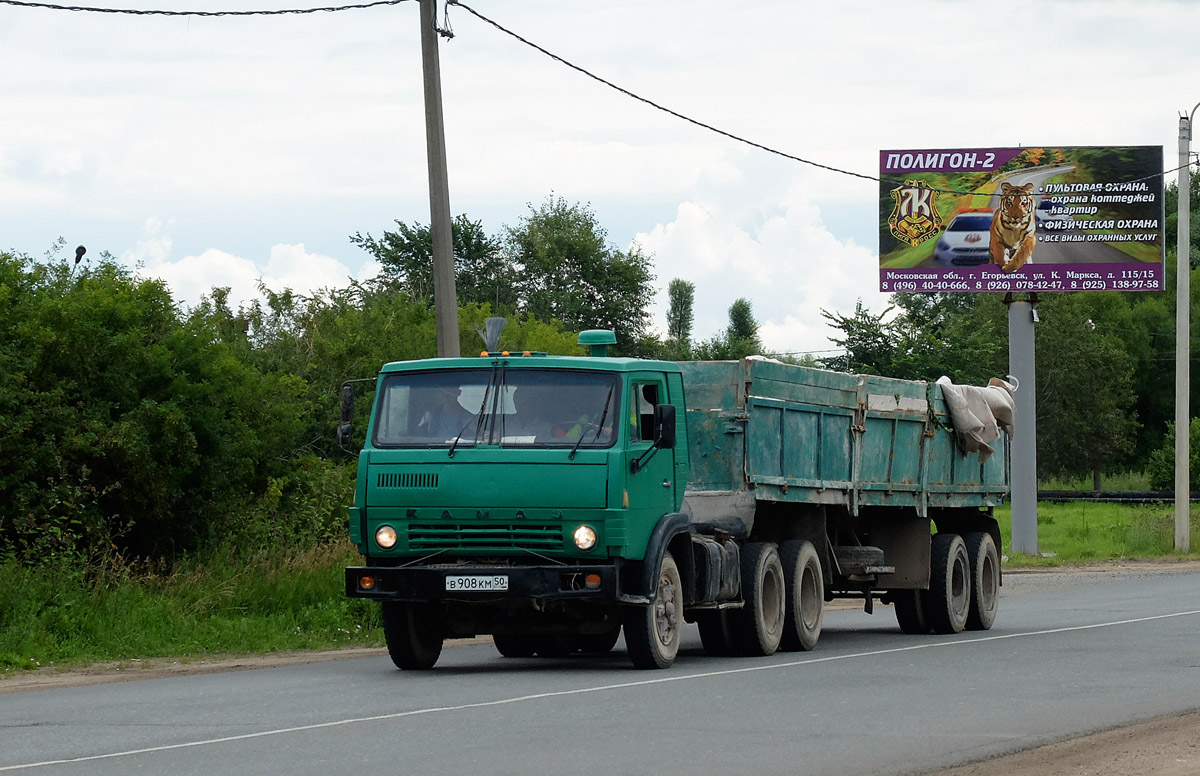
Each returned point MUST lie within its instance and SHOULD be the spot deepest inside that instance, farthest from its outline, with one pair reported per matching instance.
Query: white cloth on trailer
(980, 413)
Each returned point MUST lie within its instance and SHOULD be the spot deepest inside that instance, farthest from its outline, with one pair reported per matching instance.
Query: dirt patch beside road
(1167, 746)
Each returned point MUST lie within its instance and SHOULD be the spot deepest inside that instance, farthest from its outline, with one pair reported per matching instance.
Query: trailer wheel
(716, 633)
(553, 645)
(912, 610)
(413, 634)
(985, 580)
(805, 596)
(514, 644)
(758, 627)
(652, 633)
(949, 584)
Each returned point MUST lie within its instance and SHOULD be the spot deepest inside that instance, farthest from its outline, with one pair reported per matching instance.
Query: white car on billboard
(965, 241)
(1045, 211)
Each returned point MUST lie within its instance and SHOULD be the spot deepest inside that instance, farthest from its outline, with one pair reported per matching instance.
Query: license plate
(487, 583)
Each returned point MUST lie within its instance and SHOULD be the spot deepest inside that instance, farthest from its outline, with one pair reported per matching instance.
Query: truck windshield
(505, 406)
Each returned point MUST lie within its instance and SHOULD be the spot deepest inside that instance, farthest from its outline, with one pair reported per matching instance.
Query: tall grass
(225, 602)
(1122, 481)
(1083, 531)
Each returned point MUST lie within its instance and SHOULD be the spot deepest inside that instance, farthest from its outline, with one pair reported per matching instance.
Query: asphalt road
(1070, 654)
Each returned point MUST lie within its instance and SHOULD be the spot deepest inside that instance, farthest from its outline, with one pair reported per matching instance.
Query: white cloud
(785, 262)
(286, 267)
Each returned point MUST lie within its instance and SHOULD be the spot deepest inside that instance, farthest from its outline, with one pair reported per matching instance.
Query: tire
(759, 626)
(912, 610)
(553, 645)
(985, 580)
(652, 633)
(514, 644)
(598, 643)
(413, 634)
(949, 596)
(716, 633)
(805, 596)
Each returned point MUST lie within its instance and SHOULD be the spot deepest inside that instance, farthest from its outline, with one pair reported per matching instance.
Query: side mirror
(664, 426)
(347, 414)
(347, 402)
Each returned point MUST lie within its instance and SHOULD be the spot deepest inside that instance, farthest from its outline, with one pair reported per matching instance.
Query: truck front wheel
(949, 584)
(413, 634)
(652, 633)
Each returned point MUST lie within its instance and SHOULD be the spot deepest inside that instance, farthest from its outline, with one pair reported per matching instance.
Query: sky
(234, 150)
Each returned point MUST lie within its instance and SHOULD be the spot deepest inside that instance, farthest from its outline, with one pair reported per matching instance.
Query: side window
(641, 419)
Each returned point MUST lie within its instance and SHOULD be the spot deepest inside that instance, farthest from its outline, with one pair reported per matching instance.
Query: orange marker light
(366, 582)
(592, 581)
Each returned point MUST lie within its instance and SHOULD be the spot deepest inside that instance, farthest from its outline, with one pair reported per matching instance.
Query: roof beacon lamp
(597, 341)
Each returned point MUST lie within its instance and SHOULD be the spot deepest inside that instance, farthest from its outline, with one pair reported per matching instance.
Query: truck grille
(523, 536)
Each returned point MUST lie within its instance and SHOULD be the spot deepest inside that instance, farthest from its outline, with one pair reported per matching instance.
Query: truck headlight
(585, 537)
(386, 537)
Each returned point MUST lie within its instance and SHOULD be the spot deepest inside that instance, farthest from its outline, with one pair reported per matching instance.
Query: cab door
(651, 489)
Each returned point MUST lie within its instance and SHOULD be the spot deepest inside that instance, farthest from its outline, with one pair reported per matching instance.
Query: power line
(159, 12)
(655, 105)
(446, 31)
(709, 127)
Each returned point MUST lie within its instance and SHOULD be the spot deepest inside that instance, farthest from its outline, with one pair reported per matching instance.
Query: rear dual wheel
(949, 596)
(805, 596)
(759, 625)
(985, 580)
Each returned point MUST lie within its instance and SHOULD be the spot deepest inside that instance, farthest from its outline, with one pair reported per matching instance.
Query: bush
(1161, 467)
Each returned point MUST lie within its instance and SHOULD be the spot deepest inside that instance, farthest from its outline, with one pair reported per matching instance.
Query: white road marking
(958, 642)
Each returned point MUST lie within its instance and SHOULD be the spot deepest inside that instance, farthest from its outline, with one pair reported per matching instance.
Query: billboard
(1021, 219)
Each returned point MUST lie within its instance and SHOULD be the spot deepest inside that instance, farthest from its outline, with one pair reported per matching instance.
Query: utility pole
(445, 295)
(1022, 315)
(1183, 361)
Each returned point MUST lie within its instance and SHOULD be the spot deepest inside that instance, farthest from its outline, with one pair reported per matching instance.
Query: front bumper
(428, 583)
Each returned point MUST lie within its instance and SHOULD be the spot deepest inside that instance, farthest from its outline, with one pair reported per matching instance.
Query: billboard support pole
(1022, 315)
(1183, 362)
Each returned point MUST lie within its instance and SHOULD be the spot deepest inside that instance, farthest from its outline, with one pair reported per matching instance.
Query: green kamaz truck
(554, 501)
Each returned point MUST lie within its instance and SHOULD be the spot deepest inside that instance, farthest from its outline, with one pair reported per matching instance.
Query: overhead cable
(160, 12)
(709, 127)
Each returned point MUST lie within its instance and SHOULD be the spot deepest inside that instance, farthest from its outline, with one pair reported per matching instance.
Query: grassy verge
(233, 603)
(1082, 532)
(222, 604)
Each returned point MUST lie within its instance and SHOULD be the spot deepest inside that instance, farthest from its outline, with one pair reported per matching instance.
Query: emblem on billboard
(914, 218)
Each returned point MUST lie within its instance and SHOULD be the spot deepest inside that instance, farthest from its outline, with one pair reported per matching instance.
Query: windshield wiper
(599, 426)
(479, 419)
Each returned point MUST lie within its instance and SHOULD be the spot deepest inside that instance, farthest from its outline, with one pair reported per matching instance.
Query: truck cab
(515, 494)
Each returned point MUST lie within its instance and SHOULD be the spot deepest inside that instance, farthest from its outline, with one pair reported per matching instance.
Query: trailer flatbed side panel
(805, 435)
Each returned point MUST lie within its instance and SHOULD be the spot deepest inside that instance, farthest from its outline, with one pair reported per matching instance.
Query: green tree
(1171, 208)
(680, 316)
(1160, 469)
(120, 427)
(569, 273)
(740, 338)
(1085, 384)
(482, 272)
(924, 336)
